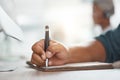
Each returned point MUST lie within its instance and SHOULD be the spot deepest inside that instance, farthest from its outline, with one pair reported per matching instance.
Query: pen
(46, 42)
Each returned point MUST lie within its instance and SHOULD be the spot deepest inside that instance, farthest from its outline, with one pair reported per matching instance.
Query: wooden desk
(24, 73)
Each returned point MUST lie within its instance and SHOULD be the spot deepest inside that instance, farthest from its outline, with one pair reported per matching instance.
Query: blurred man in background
(103, 10)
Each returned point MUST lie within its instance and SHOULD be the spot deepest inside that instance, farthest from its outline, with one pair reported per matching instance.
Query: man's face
(97, 14)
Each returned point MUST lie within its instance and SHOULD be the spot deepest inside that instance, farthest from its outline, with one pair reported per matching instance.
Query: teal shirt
(111, 43)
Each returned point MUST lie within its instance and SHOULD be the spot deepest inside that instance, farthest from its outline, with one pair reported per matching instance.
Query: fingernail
(43, 57)
(49, 54)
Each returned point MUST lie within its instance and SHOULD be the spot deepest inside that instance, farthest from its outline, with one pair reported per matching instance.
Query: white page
(81, 64)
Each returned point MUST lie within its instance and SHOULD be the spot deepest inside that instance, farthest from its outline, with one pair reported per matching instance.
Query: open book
(74, 67)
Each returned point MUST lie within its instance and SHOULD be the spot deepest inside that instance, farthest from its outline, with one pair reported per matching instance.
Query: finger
(38, 48)
(34, 62)
(56, 62)
(53, 49)
(44, 55)
(41, 43)
(37, 59)
(52, 41)
(49, 54)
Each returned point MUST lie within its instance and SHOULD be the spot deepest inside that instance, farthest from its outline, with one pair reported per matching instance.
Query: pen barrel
(46, 39)
(46, 42)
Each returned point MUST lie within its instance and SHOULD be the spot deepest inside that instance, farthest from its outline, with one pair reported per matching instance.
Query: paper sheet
(74, 67)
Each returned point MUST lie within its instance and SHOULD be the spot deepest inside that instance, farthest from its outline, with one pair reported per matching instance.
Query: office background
(70, 22)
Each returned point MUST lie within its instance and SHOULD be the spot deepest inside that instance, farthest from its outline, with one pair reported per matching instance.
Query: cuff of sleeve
(106, 45)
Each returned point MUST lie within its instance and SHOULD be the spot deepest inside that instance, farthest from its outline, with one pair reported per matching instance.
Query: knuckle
(33, 47)
(41, 61)
(36, 49)
(33, 56)
(52, 47)
(32, 61)
(41, 40)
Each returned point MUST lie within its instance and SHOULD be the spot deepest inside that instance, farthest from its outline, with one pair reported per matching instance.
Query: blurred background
(70, 22)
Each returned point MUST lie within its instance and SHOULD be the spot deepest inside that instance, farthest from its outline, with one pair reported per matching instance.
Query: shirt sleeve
(111, 43)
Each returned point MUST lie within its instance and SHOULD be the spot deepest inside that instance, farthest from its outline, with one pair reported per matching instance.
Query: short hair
(107, 6)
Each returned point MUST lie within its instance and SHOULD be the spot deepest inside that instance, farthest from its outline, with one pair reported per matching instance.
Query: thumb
(53, 49)
(55, 62)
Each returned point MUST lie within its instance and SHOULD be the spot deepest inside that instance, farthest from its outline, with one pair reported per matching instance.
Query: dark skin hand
(58, 54)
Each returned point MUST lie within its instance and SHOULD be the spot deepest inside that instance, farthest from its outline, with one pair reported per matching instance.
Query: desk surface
(24, 73)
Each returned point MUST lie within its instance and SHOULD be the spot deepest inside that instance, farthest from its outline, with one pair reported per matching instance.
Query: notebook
(73, 67)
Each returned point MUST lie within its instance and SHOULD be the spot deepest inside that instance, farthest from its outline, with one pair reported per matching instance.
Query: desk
(24, 73)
